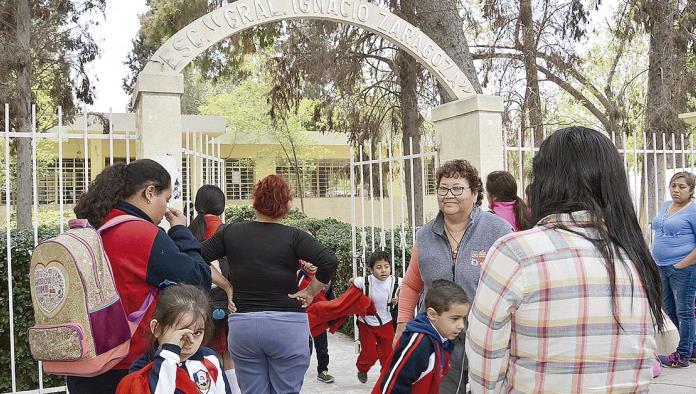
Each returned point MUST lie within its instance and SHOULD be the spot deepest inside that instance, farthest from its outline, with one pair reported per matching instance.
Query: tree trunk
(298, 177)
(440, 20)
(408, 70)
(23, 145)
(408, 103)
(529, 49)
(668, 85)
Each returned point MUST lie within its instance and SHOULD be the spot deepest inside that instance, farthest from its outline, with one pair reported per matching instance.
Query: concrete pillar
(471, 129)
(157, 103)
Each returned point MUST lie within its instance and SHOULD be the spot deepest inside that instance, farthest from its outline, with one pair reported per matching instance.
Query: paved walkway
(342, 367)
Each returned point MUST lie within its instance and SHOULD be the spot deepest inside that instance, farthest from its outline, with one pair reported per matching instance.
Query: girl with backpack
(209, 206)
(142, 255)
(177, 362)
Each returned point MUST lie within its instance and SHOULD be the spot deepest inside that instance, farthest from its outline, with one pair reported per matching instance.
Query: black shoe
(324, 376)
(362, 377)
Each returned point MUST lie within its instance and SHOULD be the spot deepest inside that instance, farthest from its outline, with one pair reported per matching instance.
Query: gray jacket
(435, 257)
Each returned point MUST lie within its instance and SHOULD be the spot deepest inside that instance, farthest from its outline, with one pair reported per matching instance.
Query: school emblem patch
(477, 257)
(202, 380)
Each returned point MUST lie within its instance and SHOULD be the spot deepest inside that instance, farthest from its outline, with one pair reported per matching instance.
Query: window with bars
(204, 176)
(74, 182)
(320, 178)
(240, 179)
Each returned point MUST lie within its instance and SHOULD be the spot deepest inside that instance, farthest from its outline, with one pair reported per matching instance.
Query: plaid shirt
(542, 319)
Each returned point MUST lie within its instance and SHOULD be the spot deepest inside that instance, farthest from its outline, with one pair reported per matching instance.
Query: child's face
(189, 342)
(450, 322)
(381, 270)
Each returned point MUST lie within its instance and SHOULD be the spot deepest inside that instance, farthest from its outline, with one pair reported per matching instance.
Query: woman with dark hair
(269, 331)
(209, 205)
(452, 246)
(501, 191)
(142, 255)
(674, 249)
(569, 306)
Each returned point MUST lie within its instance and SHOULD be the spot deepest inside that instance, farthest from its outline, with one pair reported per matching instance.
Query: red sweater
(332, 314)
(142, 257)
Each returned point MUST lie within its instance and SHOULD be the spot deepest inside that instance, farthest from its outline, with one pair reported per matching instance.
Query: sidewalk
(342, 367)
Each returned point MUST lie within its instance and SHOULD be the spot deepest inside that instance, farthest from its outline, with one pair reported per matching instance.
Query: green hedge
(26, 368)
(337, 236)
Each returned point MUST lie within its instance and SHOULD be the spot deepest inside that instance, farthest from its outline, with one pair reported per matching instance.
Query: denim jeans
(678, 294)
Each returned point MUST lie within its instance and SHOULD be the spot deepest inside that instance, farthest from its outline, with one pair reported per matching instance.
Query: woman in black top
(268, 333)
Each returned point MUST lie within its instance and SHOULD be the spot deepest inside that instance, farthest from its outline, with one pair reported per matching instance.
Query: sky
(113, 36)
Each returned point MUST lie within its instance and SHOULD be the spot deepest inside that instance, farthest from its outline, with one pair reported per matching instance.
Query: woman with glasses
(452, 246)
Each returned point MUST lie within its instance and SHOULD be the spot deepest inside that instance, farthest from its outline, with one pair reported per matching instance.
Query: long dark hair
(210, 200)
(118, 182)
(502, 186)
(580, 169)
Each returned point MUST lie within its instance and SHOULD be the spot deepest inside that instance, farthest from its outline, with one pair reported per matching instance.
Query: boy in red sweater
(421, 359)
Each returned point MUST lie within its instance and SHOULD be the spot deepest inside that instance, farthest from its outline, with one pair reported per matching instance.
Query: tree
(671, 27)
(245, 108)
(45, 47)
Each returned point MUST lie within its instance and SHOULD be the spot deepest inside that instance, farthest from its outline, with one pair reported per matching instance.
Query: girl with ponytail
(142, 255)
(501, 191)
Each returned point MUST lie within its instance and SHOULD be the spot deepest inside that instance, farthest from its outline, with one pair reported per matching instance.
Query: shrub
(26, 368)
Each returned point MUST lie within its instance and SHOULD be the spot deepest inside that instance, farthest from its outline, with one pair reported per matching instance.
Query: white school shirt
(380, 294)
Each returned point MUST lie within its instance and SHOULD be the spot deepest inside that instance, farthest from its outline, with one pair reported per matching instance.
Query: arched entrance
(160, 85)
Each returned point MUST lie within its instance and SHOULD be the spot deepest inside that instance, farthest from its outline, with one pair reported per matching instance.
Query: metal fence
(381, 211)
(201, 164)
(649, 159)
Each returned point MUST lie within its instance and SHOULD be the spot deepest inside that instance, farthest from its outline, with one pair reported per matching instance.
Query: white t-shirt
(380, 294)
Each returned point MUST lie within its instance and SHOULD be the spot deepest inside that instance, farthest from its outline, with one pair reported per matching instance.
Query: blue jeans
(678, 294)
(269, 350)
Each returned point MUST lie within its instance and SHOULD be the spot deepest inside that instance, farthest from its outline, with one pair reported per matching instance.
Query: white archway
(469, 127)
(175, 54)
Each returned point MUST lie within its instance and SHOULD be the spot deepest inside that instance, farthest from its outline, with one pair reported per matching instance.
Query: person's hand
(175, 217)
(680, 265)
(177, 337)
(305, 296)
(230, 302)
(400, 327)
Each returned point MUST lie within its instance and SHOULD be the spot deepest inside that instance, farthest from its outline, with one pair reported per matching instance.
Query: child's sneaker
(362, 377)
(324, 376)
(674, 360)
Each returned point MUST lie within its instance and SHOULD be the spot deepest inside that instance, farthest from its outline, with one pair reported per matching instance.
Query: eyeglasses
(456, 191)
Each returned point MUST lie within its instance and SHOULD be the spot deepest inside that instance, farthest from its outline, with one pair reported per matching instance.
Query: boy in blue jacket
(421, 359)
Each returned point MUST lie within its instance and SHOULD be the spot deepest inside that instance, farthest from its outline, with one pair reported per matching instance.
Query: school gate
(469, 127)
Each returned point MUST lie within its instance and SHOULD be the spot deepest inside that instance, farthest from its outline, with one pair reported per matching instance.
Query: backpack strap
(136, 317)
(395, 286)
(120, 219)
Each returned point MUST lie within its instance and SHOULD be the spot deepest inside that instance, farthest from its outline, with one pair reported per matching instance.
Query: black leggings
(105, 383)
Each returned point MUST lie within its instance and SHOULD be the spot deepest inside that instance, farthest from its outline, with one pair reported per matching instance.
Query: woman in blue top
(674, 249)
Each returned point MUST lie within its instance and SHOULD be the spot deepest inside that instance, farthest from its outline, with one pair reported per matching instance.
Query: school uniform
(419, 362)
(376, 331)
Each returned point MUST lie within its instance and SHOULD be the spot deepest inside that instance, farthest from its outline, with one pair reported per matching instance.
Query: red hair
(272, 196)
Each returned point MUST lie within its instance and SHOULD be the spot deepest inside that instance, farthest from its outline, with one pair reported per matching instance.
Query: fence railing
(201, 164)
(650, 159)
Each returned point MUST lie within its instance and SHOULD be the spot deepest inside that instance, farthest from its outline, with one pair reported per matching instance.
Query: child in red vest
(178, 363)
(421, 359)
(376, 331)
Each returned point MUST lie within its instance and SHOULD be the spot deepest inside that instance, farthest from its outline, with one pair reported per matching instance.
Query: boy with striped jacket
(421, 359)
